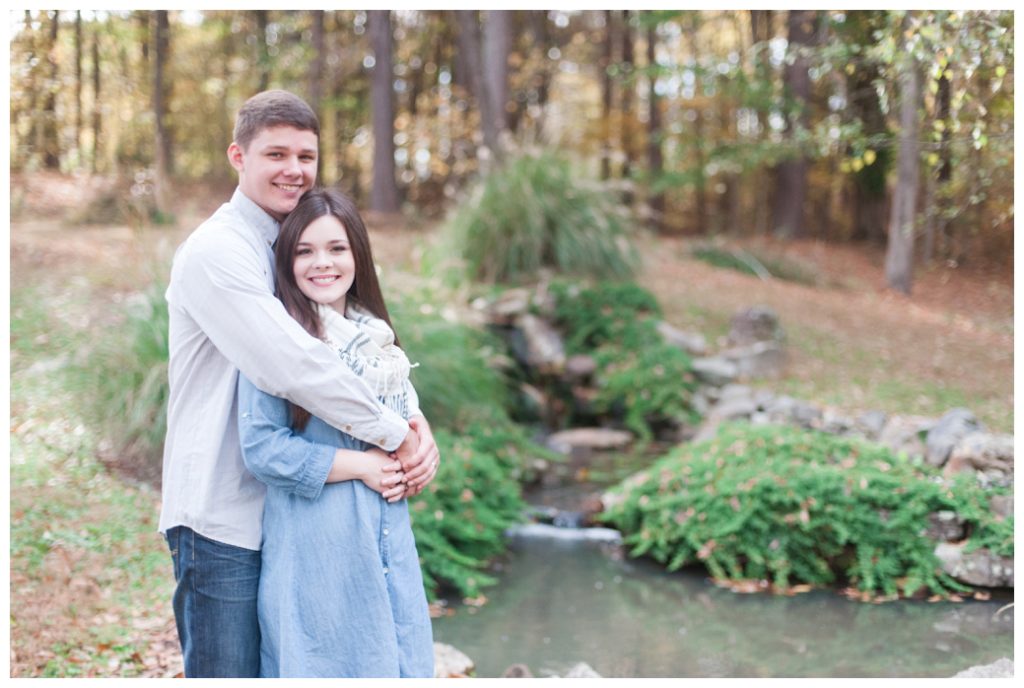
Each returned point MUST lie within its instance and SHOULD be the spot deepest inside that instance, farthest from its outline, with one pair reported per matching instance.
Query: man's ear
(235, 156)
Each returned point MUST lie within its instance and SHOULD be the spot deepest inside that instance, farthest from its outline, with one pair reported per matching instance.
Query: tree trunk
(655, 164)
(49, 132)
(78, 87)
(761, 34)
(262, 51)
(497, 34)
(899, 258)
(791, 174)
(97, 113)
(316, 65)
(162, 142)
(604, 67)
(628, 85)
(469, 47)
(384, 192)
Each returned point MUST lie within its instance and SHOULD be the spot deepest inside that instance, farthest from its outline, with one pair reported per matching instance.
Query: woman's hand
(383, 474)
(427, 457)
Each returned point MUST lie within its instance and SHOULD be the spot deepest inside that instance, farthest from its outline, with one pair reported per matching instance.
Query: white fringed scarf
(367, 345)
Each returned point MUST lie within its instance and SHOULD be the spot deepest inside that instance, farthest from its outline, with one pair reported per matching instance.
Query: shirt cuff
(314, 476)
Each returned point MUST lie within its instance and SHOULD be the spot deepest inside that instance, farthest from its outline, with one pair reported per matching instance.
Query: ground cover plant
(796, 506)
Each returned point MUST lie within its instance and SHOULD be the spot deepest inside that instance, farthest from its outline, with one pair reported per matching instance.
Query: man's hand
(419, 456)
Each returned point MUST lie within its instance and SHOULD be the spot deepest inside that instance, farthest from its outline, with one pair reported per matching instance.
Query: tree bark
(78, 86)
(384, 192)
(162, 142)
(899, 258)
(655, 165)
(497, 34)
(262, 52)
(791, 174)
(628, 86)
(469, 48)
(97, 112)
(761, 34)
(49, 132)
(604, 66)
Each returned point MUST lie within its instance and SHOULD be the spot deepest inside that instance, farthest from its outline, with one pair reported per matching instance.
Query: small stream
(560, 601)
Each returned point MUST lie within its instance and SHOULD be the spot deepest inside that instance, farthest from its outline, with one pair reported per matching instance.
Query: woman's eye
(303, 252)
(340, 249)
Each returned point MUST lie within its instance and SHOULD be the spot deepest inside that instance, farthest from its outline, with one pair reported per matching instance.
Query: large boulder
(1001, 668)
(980, 567)
(506, 308)
(760, 359)
(756, 324)
(906, 434)
(580, 442)
(947, 432)
(716, 371)
(451, 663)
(989, 455)
(544, 348)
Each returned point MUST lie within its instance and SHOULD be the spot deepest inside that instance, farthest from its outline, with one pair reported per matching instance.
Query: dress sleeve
(272, 451)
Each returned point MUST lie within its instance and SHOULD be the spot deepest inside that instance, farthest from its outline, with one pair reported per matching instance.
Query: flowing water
(562, 600)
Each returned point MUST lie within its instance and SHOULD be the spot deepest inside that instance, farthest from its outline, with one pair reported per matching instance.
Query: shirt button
(381, 441)
(386, 531)
(348, 427)
(385, 570)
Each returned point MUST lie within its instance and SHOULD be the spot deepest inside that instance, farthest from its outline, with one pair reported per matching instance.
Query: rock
(947, 432)
(945, 526)
(517, 671)
(760, 359)
(906, 434)
(836, 423)
(757, 324)
(451, 663)
(581, 670)
(700, 403)
(691, 342)
(980, 567)
(536, 402)
(1001, 668)
(507, 307)
(733, 391)
(871, 424)
(715, 370)
(580, 367)
(1001, 505)
(545, 350)
(733, 409)
(988, 454)
(570, 441)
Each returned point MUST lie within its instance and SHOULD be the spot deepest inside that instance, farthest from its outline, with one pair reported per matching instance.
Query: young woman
(340, 593)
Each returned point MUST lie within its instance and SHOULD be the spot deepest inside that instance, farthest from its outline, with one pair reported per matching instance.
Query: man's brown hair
(273, 109)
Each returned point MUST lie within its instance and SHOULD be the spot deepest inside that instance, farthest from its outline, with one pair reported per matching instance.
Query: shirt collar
(257, 217)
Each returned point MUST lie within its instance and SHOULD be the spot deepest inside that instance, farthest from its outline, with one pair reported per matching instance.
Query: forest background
(871, 149)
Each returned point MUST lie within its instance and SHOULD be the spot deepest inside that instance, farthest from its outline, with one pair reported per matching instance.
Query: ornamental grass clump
(796, 506)
(534, 212)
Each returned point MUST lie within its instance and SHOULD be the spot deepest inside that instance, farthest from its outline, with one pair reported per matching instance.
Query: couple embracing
(294, 436)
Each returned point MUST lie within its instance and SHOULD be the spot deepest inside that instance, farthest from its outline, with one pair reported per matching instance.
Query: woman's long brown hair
(365, 290)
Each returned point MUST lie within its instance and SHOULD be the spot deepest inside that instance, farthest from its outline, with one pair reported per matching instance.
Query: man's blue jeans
(215, 605)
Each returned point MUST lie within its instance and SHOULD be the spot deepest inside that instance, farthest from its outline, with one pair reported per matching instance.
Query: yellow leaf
(857, 165)
(870, 156)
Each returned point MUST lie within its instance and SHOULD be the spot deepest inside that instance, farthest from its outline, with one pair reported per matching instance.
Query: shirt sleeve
(414, 400)
(272, 451)
(222, 286)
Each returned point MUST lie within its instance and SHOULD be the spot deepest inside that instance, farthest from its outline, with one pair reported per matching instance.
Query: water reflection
(559, 603)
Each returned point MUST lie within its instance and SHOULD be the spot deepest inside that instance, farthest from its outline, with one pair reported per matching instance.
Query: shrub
(619, 313)
(793, 505)
(533, 212)
(460, 518)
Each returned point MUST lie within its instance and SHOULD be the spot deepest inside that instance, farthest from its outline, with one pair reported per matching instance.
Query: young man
(224, 318)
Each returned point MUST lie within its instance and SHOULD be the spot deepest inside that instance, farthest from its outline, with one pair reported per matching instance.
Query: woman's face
(324, 266)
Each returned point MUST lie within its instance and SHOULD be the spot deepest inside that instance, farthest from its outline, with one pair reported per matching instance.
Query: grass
(761, 264)
(91, 579)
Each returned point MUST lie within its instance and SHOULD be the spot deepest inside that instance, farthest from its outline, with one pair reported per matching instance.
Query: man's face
(278, 166)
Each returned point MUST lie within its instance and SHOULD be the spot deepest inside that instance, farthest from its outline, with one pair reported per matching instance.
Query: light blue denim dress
(341, 593)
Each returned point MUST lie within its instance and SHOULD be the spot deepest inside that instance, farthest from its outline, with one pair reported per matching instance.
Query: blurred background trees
(798, 124)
